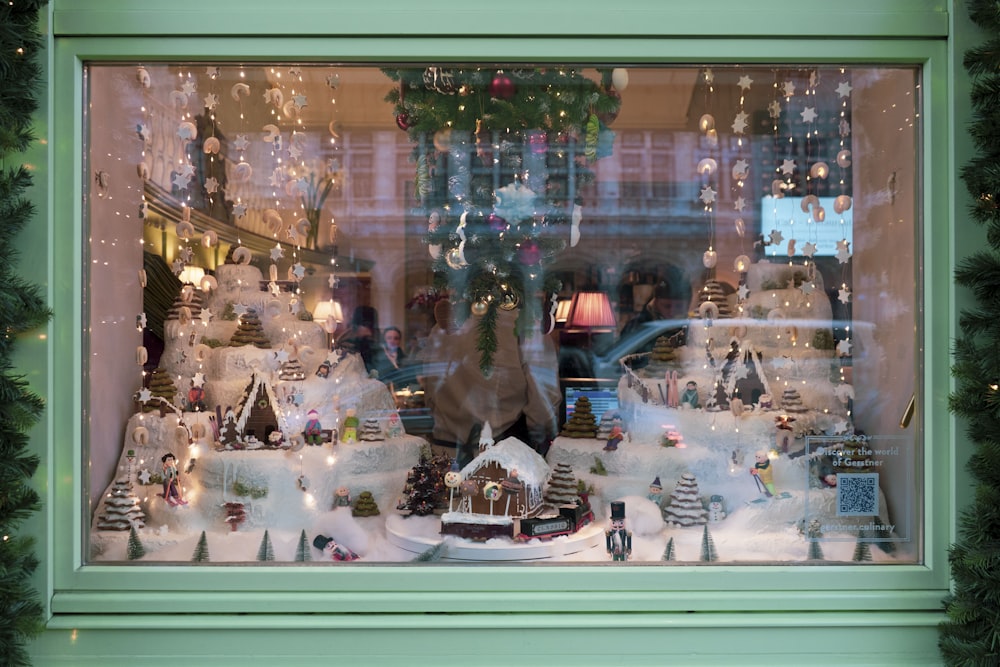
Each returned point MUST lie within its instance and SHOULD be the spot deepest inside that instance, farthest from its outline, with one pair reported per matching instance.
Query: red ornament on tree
(502, 87)
(496, 223)
(530, 253)
(403, 121)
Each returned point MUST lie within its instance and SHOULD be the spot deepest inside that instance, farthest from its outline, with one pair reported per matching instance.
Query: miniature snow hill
(238, 428)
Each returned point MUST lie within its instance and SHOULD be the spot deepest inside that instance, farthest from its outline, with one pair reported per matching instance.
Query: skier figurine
(618, 539)
(171, 481)
(763, 473)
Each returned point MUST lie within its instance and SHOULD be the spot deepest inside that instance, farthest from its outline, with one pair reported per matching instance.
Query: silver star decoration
(299, 101)
(776, 237)
(206, 315)
(181, 181)
(274, 288)
(241, 142)
(145, 476)
(788, 88)
(143, 131)
(239, 210)
(211, 185)
(808, 248)
(212, 72)
(843, 251)
(741, 372)
(844, 347)
(774, 109)
(787, 167)
(198, 380)
(807, 288)
(844, 295)
(744, 82)
(177, 266)
(740, 204)
(813, 79)
(845, 128)
(240, 309)
(743, 291)
(189, 88)
(707, 195)
(333, 80)
(741, 169)
(211, 101)
(186, 254)
(277, 252)
(281, 356)
(277, 177)
(295, 151)
(145, 394)
(187, 169)
(298, 270)
(808, 115)
(740, 124)
(844, 89)
(302, 185)
(297, 398)
(844, 392)
(841, 427)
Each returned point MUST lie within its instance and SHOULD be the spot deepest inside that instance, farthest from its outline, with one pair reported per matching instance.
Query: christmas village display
(732, 440)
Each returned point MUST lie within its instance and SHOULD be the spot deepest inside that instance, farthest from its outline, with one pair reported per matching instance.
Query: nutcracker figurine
(618, 539)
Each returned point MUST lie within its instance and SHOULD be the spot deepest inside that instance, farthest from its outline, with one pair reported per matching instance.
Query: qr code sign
(857, 494)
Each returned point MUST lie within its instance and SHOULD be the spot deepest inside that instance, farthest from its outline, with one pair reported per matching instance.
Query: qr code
(857, 494)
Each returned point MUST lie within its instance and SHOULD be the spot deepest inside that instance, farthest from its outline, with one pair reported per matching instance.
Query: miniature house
(495, 465)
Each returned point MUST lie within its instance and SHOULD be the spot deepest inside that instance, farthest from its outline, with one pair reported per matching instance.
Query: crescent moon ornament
(274, 308)
(273, 220)
(209, 239)
(619, 79)
(179, 99)
(807, 201)
(844, 159)
(270, 132)
(140, 435)
(239, 90)
(209, 284)
(187, 131)
(741, 227)
(243, 171)
(184, 316)
(709, 310)
(185, 230)
(709, 258)
(302, 227)
(212, 146)
(201, 352)
(141, 355)
(181, 436)
(274, 96)
(290, 110)
(841, 204)
(775, 314)
(242, 255)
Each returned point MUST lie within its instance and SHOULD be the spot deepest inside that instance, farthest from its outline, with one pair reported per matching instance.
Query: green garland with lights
(971, 633)
(21, 309)
(502, 156)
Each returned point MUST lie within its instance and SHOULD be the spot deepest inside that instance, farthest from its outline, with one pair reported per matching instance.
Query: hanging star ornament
(181, 181)
(844, 295)
(333, 281)
(206, 315)
(740, 204)
(707, 195)
(787, 167)
(776, 237)
(281, 356)
(211, 185)
(145, 394)
(145, 476)
(745, 82)
(277, 252)
(211, 101)
(774, 109)
(241, 142)
(844, 89)
(240, 309)
(298, 271)
(809, 249)
(788, 88)
(198, 380)
(743, 292)
(299, 101)
(843, 251)
(239, 210)
(740, 124)
(844, 347)
(808, 115)
(807, 288)
(177, 266)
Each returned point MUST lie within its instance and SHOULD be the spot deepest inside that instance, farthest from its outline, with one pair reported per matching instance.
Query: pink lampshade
(590, 310)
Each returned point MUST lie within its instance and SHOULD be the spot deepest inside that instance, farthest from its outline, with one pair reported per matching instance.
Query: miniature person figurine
(313, 431)
(332, 550)
(763, 473)
(196, 398)
(614, 438)
(342, 498)
(655, 491)
(395, 426)
(689, 399)
(351, 423)
(171, 481)
(618, 539)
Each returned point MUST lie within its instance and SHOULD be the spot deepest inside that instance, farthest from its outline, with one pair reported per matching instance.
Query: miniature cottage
(495, 465)
(259, 414)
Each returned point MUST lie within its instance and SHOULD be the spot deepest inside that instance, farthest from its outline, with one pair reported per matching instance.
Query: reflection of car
(603, 362)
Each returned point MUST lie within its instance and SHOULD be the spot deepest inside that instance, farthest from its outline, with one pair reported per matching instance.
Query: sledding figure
(763, 473)
(332, 550)
(171, 481)
(618, 540)
(614, 438)
(313, 431)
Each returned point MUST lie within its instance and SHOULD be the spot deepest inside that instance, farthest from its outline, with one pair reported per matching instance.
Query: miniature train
(570, 519)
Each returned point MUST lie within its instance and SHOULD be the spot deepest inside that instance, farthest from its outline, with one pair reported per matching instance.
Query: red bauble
(496, 223)
(502, 87)
(403, 121)
(530, 253)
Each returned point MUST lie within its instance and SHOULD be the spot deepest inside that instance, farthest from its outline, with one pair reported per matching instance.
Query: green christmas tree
(502, 156)
(582, 423)
(265, 552)
(365, 505)
(431, 555)
(302, 552)
(250, 331)
(708, 553)
(135, 550)
(668, 551)
(862, 551)
(201, 550)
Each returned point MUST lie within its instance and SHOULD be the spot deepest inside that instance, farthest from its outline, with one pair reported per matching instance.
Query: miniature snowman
(716, 509)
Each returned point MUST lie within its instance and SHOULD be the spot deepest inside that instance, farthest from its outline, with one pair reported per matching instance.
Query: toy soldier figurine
(619, 540)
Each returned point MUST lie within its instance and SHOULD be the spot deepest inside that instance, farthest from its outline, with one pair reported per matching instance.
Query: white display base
(589, 537)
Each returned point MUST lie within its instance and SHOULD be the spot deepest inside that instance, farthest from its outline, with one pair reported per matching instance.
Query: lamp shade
(329, 314)
(590, 310)
(562, 310)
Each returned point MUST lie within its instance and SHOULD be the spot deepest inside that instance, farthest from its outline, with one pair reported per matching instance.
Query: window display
(537, 314)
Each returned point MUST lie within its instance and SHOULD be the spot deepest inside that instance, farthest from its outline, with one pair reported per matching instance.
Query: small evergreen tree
(135, 548)
(431, 555)
(862, 552)
(815, 550)
(708, 553)
(365, 505)
(668, 551)
(302, 553)
(266, 551)
(201, 550)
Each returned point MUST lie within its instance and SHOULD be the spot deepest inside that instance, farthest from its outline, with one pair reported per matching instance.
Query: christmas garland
(971, 633)
(21, 309)
(501, 156)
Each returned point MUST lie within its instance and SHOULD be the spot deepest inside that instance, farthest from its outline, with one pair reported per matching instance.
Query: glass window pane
(557, 314)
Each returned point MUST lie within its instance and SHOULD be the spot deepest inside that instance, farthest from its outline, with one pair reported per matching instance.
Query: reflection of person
(520, 397)
(670, 300)
(389, 357)
(360, 338)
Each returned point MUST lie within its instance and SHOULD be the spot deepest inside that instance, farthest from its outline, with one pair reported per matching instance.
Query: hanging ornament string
(740, 174)
(707, 168)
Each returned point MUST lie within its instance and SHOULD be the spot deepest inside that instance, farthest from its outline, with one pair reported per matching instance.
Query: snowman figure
(716, 509)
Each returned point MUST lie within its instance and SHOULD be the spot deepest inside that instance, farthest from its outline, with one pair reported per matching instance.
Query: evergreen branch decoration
(970, 635)
(22, 308)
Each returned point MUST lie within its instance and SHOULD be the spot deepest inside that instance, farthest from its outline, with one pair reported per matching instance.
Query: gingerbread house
(259, 415)
(521, 473)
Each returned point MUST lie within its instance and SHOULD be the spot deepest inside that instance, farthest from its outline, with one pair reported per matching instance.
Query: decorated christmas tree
(161, 386)
(708, 553)
(562, 488)
(250, 331)
(365, 505)
(582, 423)
(292, 370)
(134, 549)
(502, 156)
(266, 551)
(685, 507)
(425, 490)
(201, 550)
(121, 508)
(302, 553)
